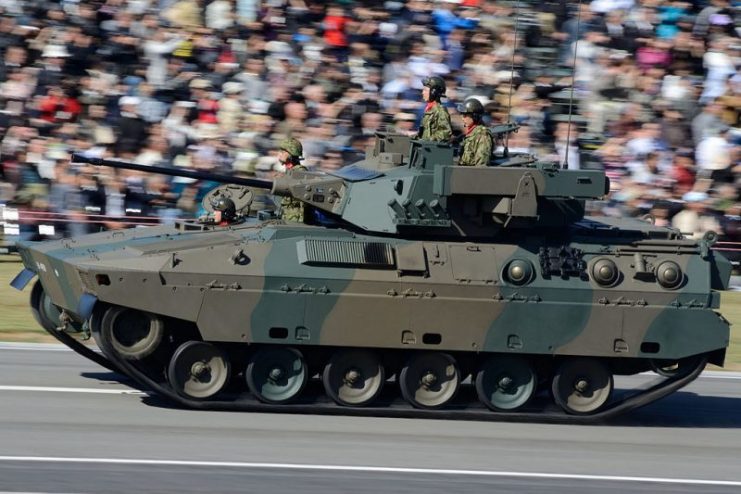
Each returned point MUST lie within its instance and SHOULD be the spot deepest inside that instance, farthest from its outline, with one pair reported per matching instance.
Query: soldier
(436, 120)
(289, 155)
(225, 211)
(477, 140)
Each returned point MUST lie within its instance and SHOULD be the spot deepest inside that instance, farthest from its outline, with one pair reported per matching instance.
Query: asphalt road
(67, 426)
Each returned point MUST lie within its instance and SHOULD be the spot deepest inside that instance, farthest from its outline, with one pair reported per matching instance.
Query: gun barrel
(174, 172)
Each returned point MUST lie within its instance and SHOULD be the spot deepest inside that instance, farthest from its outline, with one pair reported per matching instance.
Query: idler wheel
(506, 383)
(276, 374)
(679, 368)
(582, 386)
(353, 377)
(44, 311)
(429, 380)
(132, 333)
(198, 370)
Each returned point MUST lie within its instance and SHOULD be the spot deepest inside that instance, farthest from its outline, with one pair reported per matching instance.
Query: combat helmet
(227, 208)
(293, 147)
(436, 85)
(472, 107)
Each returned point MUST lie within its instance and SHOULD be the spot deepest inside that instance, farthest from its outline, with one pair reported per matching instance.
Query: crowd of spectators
(213, 84)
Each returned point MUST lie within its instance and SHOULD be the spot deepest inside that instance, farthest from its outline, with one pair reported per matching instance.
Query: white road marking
(40, 347)
(705, 375)
(720, 375)
(50, 389)
(367, 469)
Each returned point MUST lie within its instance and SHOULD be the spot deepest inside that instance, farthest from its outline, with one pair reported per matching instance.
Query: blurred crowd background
(213, 84)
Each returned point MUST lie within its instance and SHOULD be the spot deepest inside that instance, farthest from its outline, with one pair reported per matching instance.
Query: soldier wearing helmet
(289, 155)
(225, 212)
(477, 140)
(436, 120)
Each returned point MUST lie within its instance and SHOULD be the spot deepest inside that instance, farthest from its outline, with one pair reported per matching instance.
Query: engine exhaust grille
(346, 253)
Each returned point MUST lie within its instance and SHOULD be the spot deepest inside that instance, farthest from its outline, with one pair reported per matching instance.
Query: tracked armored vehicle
(413, 287)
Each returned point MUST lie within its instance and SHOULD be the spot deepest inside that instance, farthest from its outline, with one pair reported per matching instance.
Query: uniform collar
(470, 129)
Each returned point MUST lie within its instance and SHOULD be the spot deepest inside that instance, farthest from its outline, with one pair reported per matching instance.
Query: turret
(411, 187)
(407, 186)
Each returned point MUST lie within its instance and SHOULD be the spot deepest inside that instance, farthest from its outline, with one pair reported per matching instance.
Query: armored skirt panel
(301, 285)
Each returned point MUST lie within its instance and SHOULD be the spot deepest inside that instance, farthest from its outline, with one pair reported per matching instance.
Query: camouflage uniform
(292, 209)
(476, 147)
(436, 124)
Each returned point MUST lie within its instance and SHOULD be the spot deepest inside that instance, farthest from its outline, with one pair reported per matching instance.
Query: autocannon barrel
(174, 171)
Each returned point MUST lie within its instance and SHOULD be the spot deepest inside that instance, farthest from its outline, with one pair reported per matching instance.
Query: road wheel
(582, 386)
(429, 380)
(353, 377)
(276, 374)
(198, 370)
(506, 383)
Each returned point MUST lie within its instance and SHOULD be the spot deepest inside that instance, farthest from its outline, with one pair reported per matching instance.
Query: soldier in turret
(477, 140)
(225, 211)
(289, 155)
(436, 120)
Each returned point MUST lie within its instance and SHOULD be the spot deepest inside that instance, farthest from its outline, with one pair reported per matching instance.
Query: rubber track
(618, 407)
(70, 341)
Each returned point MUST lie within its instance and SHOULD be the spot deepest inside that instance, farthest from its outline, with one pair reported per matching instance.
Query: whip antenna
(512, 78)
(573, 79)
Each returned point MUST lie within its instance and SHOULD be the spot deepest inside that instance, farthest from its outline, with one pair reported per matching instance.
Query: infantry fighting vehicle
(413, 287)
